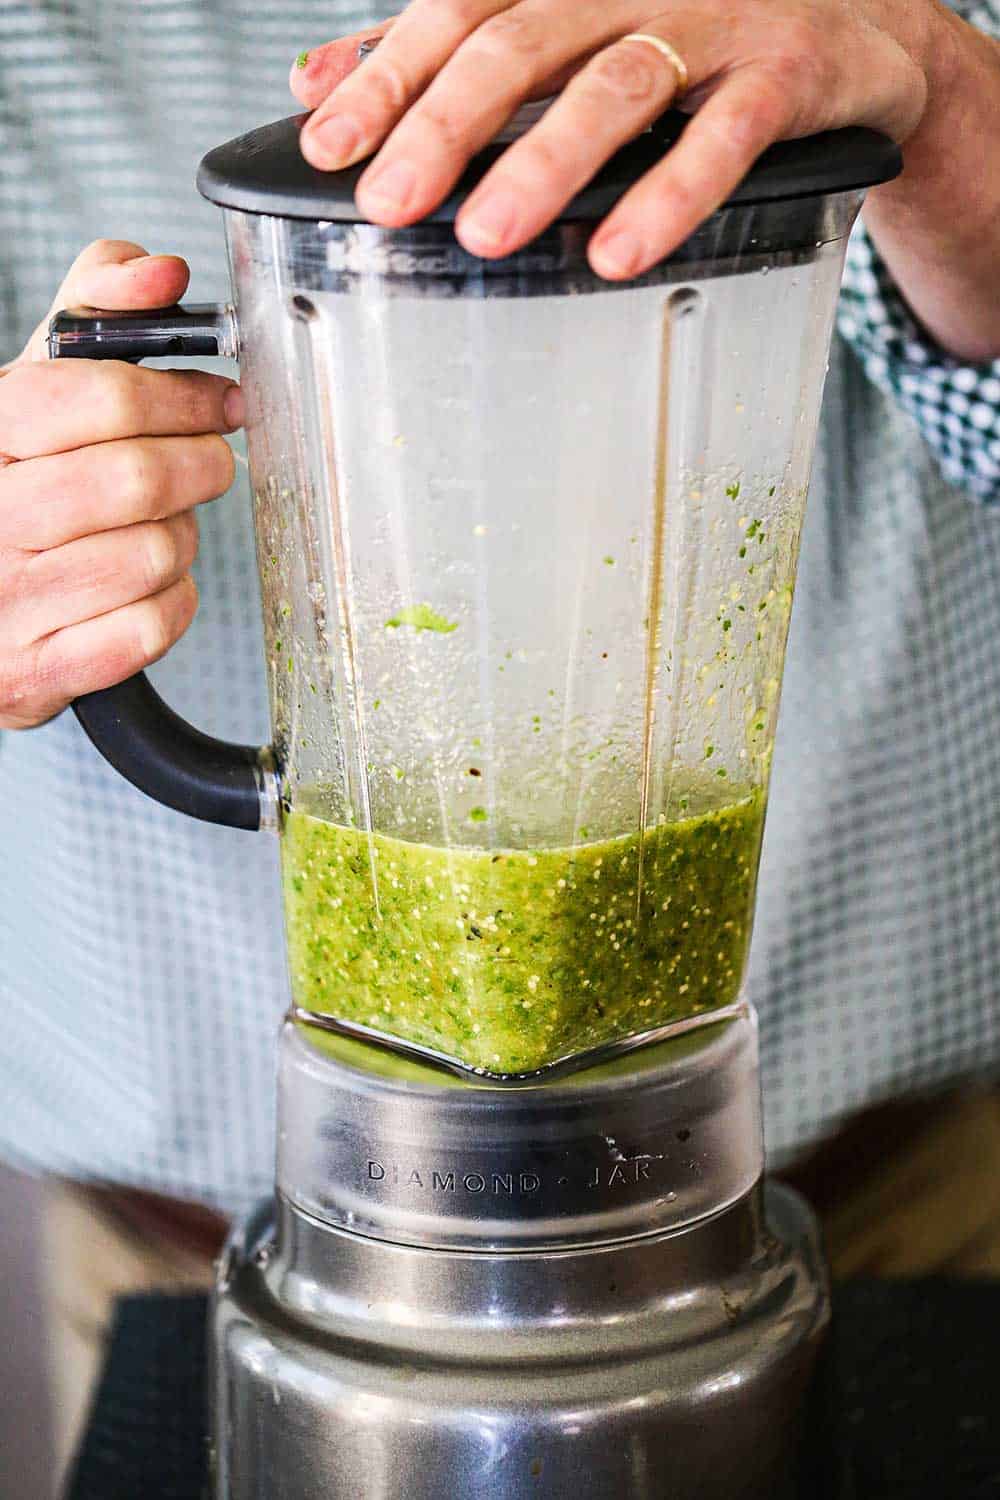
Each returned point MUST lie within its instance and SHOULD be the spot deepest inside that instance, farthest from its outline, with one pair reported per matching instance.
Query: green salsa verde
(509, 959)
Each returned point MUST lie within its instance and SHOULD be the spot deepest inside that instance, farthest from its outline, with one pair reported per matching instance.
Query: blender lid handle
(140, 735)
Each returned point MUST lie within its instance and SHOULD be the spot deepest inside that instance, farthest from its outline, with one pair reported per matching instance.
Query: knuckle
(761, 119)
(798, 37)
(155, 631)
(159, 556)
(385, 86)
(102, 249)
(541, 164)
(191, 399)
(163, 620)
(22, 689)
(456, 15)
(117, 395)
(628, 73)
(799, 58)
(139, 477)
(514, 33)
(675, 192)
(440, 119)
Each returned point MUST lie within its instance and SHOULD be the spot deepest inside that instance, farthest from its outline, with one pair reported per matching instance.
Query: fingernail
(619, 255)
(489, 224)
(390, 188)
(234, 407)
(338, 138)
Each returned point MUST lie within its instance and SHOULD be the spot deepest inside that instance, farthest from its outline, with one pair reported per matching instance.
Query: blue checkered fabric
(141, 960)
(955, 405)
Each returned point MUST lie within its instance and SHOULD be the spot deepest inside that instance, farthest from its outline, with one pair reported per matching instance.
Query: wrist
(936, 225)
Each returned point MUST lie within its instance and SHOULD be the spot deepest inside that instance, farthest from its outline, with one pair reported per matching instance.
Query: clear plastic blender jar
(527, 546)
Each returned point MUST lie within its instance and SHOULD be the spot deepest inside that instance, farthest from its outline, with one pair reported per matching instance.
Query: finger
(609, 101)
(359, 114)
(121, 276)
(99, 573)
(100, 652)
(490, 75)
(115, 275)
(48, 501)
(719, 146)
(316, 73)
(72, 403)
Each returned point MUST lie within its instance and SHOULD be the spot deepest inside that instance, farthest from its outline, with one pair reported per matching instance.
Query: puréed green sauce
(509, 959)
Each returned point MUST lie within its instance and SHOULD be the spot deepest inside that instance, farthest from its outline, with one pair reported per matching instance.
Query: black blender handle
(204, 328)
(140, 735)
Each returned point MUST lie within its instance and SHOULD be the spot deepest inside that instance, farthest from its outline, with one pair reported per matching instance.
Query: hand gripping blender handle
(131, 726)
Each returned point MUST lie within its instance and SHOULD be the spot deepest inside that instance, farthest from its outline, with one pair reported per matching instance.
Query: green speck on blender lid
(477, 814)
(609, 561)
(733, 490)
(421, 617)
(709, 751)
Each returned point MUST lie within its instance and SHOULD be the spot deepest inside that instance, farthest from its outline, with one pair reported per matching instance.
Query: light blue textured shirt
(141, 955)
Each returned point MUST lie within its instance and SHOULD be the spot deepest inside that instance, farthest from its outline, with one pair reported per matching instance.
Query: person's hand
(448, 74)
(101, 463)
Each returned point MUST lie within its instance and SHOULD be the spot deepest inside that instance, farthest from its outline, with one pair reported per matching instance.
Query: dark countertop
(917, 1366)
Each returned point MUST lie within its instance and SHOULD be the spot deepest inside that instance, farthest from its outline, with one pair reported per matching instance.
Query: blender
(527, 546)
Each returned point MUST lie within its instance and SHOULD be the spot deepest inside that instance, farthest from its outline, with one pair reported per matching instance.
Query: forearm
(938, 226)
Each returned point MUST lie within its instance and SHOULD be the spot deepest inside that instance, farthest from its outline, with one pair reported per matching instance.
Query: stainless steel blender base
(673, 1360)
(664, 1368)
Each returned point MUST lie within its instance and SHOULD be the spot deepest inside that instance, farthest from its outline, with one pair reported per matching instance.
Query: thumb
(117, 276)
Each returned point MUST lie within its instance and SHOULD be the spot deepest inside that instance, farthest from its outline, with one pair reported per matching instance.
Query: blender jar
(527, 546)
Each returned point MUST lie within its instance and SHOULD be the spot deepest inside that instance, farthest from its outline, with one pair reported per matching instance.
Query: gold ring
(670, 53)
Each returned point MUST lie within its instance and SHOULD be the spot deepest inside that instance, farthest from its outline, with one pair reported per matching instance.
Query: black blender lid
(265, 173)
